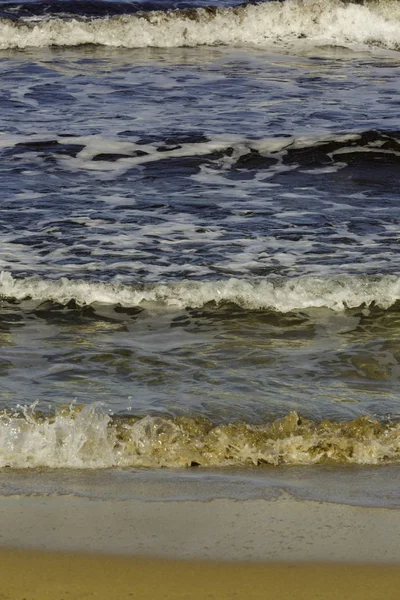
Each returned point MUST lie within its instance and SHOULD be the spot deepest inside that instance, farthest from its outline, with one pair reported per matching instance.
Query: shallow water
(351, 485)
(200, 220)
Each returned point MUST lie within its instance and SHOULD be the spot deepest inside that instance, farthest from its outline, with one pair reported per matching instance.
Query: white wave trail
(320, 21)
(281, 295)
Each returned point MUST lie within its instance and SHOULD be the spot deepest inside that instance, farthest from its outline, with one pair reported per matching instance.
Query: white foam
(96, 145)
(283, 295)
(73, 439)
(329, 21)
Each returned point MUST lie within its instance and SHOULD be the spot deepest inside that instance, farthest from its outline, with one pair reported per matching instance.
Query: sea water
(199, 234)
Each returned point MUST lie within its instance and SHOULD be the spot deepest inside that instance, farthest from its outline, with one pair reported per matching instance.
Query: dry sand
(28, 575)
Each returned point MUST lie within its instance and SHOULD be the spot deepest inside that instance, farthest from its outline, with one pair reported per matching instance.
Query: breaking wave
(336, 22)
(88, 438)
(281, 295)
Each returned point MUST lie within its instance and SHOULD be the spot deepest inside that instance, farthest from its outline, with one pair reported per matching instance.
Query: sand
(280, 529)
(27, 575)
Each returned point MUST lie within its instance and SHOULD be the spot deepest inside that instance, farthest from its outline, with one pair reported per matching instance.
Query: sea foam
(317, 21)
(281, 295)
(86, 438)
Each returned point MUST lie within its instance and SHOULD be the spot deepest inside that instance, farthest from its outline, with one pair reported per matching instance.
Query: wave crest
(88, 438)
(327, 21)
(281, 295)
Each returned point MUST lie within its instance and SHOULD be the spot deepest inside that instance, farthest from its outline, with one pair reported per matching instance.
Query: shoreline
(33, 575)
(160, 545)
(283, 529)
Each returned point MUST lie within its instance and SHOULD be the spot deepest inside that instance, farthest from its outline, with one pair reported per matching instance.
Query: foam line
(88, 438)
(328, 21)
(281, 295)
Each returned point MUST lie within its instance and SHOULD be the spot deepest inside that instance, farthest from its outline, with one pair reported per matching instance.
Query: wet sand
(33, 575)
(283, 529)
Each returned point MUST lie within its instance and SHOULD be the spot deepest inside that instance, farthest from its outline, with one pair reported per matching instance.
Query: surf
(328, 22)
(86, 438)
(281, 294)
